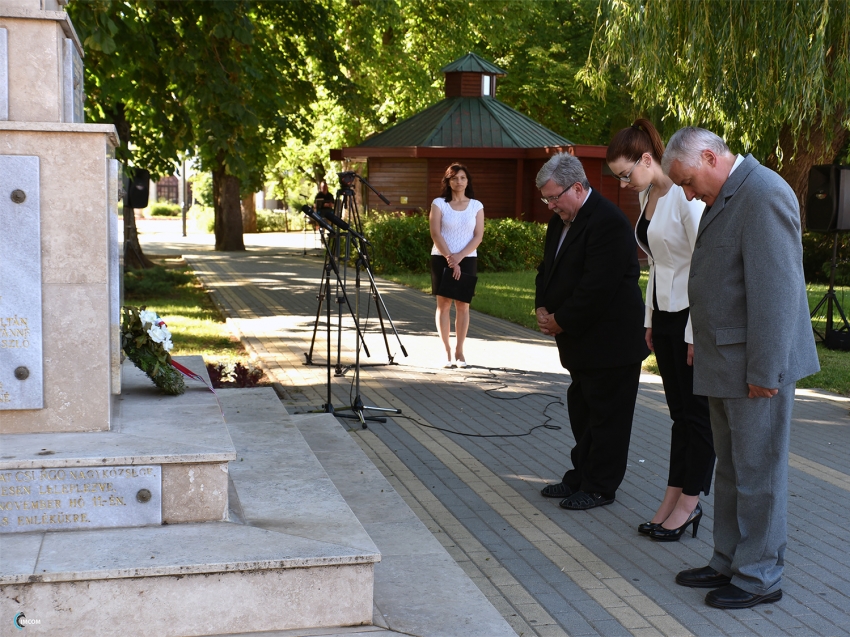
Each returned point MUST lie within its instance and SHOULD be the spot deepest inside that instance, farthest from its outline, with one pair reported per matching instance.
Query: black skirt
(469, 265)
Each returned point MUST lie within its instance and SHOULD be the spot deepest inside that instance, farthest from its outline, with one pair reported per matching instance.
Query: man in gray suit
(752, 342)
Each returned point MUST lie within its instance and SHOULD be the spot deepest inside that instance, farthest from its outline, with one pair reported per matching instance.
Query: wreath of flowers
(146, 341)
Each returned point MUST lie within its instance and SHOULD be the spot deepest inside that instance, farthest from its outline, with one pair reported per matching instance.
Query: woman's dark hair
(451, 171)
(632, 142)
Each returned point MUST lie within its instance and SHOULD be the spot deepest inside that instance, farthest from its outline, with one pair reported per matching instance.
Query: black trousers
(601, 404)
(691, 442)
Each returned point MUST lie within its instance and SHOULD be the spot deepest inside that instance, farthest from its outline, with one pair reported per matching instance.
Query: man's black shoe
(705, 577)
(733, 597)
(581, 501)
(559, 490)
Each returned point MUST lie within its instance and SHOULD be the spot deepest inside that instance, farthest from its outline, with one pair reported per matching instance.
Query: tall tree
(239, 69)
(772, 77)
(239, 73)
(127, 86)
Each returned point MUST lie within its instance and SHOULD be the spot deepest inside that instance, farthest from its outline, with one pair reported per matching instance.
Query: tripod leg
(380, 301)
(321, 297)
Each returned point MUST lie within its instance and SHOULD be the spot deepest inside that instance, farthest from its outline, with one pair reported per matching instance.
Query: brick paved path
(549, 571)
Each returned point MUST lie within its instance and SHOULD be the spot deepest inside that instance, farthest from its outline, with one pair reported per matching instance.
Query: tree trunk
(249, 214)
(814, 152)
(228, 211)
(134, 257)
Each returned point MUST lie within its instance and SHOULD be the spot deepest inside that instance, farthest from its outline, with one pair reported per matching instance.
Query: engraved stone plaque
(80, 498)
(21, 369)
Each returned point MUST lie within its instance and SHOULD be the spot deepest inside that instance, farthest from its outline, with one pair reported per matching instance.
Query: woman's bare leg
(461, 327)
(671, 497)
(444, 325)
(682, 511)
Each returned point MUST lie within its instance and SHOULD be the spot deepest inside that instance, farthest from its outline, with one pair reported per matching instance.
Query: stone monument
(91, 455)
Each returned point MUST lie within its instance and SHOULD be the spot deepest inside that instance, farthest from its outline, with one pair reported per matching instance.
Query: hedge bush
(281, 221)
(403, 244)
(165, 209)
(817, 257)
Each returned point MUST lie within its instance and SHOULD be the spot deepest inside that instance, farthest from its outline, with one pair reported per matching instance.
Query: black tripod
(833, 338)
(345, 207)
(325, 294)
(357, 407)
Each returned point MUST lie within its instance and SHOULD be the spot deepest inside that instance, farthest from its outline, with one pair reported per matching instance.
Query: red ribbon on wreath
(188, 373)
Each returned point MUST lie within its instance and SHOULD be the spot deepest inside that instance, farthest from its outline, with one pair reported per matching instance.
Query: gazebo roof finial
(471, 63)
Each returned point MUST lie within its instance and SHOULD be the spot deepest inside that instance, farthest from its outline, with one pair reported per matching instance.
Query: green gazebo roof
(471, 63)
(468, 122)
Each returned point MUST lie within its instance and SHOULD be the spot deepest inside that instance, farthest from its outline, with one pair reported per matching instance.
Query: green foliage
(201, 219)
(154, 282)
(202, 189)
(817, 257)
(148, 355)
(234, 375)
(271, 221)
(228, 80)
(390, 55)
(511, 245)
(772, 77)
(164, 209)
(399, 243)
(128, 82)
(403, 244)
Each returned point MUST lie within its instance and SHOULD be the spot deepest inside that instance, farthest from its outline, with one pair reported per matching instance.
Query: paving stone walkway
(548, 571)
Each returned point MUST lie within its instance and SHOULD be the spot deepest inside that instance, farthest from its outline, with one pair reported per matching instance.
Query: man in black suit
(588, 298)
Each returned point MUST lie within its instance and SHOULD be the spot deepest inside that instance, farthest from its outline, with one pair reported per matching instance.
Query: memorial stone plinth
(59, 232)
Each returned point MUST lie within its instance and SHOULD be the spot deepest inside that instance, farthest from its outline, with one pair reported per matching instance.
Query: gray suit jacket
(747, 292)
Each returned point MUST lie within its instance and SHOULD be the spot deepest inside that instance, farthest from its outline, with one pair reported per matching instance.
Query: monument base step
(291, 556)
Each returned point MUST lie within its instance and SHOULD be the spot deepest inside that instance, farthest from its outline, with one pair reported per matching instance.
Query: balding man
(752, 341)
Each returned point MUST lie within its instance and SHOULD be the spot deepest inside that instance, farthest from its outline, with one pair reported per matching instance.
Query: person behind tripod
(324, 199)
(457, 227)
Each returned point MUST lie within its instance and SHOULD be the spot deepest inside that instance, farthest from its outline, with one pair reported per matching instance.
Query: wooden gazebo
(503, 149)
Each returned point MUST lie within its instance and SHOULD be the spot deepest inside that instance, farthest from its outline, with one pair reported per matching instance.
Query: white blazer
(672, 234)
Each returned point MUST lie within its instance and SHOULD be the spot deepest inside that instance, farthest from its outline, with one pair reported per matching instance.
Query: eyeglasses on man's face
(548, 200)
(628, 177)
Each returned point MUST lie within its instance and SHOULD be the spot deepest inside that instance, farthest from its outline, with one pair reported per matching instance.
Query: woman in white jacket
(666, 231)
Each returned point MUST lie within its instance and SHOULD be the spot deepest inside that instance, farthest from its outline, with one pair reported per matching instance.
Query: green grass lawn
(176, 295)
(510, 296)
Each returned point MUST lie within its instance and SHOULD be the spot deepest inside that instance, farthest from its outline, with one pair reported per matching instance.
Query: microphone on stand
(307, 210)
(344, 225)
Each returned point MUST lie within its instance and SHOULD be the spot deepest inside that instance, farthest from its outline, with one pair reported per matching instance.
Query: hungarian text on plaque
(80, 498)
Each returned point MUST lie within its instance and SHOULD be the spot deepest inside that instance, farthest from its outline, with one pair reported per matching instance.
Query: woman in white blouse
(457, 227)
(666, 231)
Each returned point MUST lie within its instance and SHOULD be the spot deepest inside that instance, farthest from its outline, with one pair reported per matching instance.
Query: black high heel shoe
(672, 535)
(647, 527)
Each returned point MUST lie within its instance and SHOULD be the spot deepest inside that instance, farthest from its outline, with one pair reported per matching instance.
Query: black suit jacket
(591, 285)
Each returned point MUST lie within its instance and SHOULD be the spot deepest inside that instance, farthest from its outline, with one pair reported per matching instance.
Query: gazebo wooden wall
(497, 183)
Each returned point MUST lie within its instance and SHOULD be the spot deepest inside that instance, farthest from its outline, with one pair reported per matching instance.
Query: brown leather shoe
(705, 577)
(733, 597)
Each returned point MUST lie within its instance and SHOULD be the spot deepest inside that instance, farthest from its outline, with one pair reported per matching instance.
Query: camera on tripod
(346, 179)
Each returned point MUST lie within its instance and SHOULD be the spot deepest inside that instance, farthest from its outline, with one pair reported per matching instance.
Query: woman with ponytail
(666, 231)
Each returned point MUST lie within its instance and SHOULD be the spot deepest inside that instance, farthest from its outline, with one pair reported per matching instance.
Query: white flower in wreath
(158, 334)
(167, 345)
(146, 316)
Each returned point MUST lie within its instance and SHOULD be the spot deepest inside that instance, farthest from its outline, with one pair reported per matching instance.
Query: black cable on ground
(493, 379)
